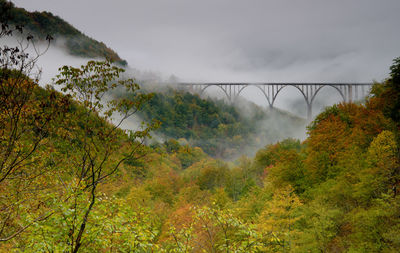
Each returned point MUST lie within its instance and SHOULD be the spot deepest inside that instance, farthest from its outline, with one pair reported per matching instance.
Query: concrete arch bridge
(348, 91)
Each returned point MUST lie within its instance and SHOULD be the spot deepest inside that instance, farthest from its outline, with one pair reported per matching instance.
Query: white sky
(248, 40)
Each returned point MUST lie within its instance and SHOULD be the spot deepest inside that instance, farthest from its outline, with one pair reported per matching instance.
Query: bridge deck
(349, 91)
(281, 83)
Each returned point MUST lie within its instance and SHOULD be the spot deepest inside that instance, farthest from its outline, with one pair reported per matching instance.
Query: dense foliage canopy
(72, 181)
(220, 129)
(338, 191)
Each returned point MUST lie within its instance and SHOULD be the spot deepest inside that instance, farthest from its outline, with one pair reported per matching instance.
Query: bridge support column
(350, 87)
(271, 107)
(309, 112)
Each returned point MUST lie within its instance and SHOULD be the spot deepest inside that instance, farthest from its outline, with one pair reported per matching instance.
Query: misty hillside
(95, 162)
(222, 130)
(335, 192)
(41, 24)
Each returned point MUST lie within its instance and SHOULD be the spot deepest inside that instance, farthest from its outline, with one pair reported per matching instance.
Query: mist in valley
(262, 41)
(275, 126)
(132, 156)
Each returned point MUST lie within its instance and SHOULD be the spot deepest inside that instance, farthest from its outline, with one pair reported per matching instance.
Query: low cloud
(238, 41)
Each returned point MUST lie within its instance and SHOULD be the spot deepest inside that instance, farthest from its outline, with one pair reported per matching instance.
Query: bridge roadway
(348, 91)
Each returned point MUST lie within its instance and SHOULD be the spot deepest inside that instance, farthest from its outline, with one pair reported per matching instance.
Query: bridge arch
(224, 90)
(309, 91)
(303, 92)
(295, 86)
(257, 86)
(266, 95)
(271, 98)
(274, 94)
(328, 85)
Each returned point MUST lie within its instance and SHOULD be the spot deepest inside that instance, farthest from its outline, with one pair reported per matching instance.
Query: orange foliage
(337, 131)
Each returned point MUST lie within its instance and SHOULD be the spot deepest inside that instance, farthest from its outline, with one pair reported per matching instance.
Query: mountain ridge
(44, 23)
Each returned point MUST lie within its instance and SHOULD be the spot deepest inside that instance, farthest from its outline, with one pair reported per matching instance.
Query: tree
(25, 122)
(388, 93)
(381, 174)
(99, 146)
(386, 97)
(210, 229)
(276, 222)
(18, 83)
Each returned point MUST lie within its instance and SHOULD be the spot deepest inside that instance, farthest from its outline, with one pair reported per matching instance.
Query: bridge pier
(350, 93)
(309, 112)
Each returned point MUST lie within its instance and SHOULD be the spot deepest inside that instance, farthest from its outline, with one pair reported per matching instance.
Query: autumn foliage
(72, 181)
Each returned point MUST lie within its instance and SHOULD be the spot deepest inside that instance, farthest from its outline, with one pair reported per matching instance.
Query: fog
(238, 41)
(243, 41)
(230, 40)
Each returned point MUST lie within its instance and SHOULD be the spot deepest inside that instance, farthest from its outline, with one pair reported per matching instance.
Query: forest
(221, 130)
(71, 180)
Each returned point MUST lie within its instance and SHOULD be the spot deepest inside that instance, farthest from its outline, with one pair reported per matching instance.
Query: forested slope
(72, 181)
(222, 130)
(338, 191)
(41, 24)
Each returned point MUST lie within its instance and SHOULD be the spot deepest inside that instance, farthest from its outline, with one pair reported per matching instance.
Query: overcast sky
(243, 41)
(249, 40)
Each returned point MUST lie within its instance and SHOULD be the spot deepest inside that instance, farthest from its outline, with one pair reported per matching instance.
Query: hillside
(221, 130)
(72, 180)
(335, 192)
(41, 24)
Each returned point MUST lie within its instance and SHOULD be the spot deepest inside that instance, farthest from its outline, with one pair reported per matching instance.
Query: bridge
(348, 91)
